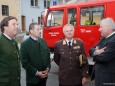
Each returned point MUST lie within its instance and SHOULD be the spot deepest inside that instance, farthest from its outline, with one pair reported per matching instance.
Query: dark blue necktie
(69, 44)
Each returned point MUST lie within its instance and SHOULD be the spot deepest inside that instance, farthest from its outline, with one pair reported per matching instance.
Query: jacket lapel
(66, 45)
(107, 40)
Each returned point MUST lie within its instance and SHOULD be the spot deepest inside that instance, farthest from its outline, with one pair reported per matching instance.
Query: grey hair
(68, 25)
(110, 22)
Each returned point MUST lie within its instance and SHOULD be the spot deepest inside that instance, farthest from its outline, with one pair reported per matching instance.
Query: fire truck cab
(85, 17)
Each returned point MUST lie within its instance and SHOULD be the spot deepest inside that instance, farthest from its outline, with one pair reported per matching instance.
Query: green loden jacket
(9, 62)
(35, 56)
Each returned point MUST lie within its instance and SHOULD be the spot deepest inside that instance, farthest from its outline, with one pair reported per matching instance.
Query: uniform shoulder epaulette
(79, 39)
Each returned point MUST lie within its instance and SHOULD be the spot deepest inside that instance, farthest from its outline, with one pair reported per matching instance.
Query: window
(5, 10)
(72, 16)
(34, 3)
(92, 15)
(39, 20)
(55, 18)
(46, 3)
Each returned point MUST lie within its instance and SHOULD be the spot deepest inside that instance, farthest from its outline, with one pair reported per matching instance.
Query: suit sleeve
(24, 56)
(92, 49)
(108, 55)
(48, 52)
(56, 55)
(85, 65)
(49, 63)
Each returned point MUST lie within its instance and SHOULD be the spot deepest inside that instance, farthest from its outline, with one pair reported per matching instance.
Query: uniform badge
(76, 47)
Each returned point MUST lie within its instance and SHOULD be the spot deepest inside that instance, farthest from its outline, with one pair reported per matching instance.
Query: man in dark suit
(9, 53)
(104, 54)
(35, 57)
(70, 56)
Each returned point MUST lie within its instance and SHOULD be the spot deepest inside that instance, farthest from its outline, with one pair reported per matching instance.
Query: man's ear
(31, 31)
(5, 28)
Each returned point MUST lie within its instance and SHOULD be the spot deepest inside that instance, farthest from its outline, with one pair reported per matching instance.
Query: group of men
(34, 55)
(69, 55)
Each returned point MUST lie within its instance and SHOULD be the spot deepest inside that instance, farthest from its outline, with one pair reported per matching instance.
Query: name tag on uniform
(76, 47)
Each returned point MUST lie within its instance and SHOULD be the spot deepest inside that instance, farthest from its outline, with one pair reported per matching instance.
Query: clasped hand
(42, 74)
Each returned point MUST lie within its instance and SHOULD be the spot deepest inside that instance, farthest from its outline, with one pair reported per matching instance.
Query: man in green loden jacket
(35, 57)
(9, 53)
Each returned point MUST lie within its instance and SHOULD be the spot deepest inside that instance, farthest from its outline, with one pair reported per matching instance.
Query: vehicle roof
(81, 4)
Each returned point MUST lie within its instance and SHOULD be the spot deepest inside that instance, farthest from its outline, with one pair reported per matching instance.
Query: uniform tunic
(71, 70)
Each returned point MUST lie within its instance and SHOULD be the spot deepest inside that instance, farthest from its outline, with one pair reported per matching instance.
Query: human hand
(84, 81)
(99, 51)
(41, 74)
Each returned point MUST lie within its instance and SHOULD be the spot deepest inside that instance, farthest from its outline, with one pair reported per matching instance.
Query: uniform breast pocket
(62, 52)
(77, 52)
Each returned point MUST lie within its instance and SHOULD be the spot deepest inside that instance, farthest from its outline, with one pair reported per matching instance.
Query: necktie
(69, 43)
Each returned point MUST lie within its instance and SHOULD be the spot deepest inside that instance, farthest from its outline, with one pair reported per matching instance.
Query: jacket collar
(64, 41)
(7, 36)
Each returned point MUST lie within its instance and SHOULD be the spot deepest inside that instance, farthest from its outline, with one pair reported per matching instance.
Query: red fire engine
(84, 16)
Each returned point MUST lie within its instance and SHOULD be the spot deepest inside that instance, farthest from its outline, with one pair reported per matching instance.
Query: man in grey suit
(104, 54)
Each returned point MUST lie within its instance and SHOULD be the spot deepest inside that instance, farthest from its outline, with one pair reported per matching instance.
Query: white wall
(32, 13)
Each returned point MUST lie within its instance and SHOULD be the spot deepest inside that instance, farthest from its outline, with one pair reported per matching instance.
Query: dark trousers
(70, 85)
(42, 83)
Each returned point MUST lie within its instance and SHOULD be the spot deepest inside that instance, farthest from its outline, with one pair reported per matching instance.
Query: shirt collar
(65, 42)
(7, 36)
(110, 34)
(35, 39)
(69, 40)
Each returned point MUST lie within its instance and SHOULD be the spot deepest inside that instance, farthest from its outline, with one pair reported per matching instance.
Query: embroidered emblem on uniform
(76, 47)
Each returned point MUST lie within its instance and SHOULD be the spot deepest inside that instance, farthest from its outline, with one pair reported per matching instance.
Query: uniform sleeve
(24, 56)
(85, 62)
(56, 55)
